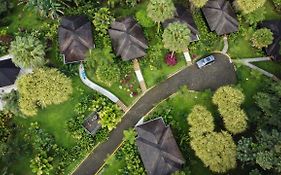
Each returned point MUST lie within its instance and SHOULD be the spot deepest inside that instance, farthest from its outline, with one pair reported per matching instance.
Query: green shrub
(262, 38)
(143, 19)
(277, 4)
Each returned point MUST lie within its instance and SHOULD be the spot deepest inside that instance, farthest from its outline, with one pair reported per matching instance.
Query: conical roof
(75, 38)
(184, 15)
(158, 149)
(8, 72)
(220, 16)
(274, 48)
(128, 39)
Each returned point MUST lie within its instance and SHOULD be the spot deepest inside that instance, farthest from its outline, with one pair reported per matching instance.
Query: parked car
(205, 61)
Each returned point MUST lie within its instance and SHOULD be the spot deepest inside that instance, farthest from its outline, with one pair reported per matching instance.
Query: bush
(199, 3)
(277, 4)
(143, 19)
(256, 16)
(228, 100)
(102, 21)
(41, 88)
(28, 52)
(262, 38)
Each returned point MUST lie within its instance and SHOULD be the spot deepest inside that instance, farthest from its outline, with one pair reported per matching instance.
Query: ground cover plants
(41, 125)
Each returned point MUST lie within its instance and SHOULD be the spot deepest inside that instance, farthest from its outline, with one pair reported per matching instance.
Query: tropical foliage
(143, 19)
(102, 21)
(263, 150)
(43, 87)
(45, 8)
(248, 6)
(198, 3)
(262, 38)
(160, 10)
(176, 37)
(229, 100)
(130, 152)
(28, 52)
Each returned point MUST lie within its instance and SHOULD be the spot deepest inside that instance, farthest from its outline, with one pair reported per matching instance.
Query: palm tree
(176, 37)
(160, 10)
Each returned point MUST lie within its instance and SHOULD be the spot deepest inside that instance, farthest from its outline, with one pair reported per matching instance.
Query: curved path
(99, 89)
(221, 72)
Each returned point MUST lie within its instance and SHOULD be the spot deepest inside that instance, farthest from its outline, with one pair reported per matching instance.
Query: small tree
(216, 150)
(201, 121)
(248, 6)
(160, 10)
(198, 3)
(262, 38)
(28, 52)
(102, 21)
(176, 37)
(228, 100)
(41, 88)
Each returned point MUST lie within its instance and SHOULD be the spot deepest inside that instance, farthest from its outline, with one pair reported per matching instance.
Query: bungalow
(220, 17)
(158, 149)
(128, 41)
(274, 49)
(75, 38)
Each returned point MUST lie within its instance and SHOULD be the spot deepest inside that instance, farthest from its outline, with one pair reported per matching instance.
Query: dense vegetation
(53, 140)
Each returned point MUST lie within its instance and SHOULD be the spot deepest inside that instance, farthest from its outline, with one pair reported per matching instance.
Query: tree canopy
(43, 87)
(160, 10)
(198, 3)
(28, 52)
(262, 38)
(176, 37)
(248, 6)
(229, 100)
(217, 150)
(201, 121)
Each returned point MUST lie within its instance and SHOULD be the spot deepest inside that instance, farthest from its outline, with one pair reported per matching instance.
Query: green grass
(270, 66)
(53, 119)
(152, 77)
(113, 166)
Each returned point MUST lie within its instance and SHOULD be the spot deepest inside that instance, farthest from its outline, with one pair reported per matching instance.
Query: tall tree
(248, 6)
(262, 38)
(28, 52)
(41, 88)
(160, 10)
(198, 3)
(176, 37)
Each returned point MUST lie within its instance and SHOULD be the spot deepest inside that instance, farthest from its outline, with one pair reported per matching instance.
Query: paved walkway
(225, 47)
(139, 75)
(248, 62)
(100, 89)
(220, 73)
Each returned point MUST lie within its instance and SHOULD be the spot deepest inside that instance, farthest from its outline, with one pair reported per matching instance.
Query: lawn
(155, 76)
(53, 120)
(270, 66)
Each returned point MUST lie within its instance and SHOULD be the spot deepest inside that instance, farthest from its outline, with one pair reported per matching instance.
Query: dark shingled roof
(91, 124)
(8, 72)
(128, 39)
(75, 38)
(220, 16)
(184, 15)
(158, 149)
(274, 48)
